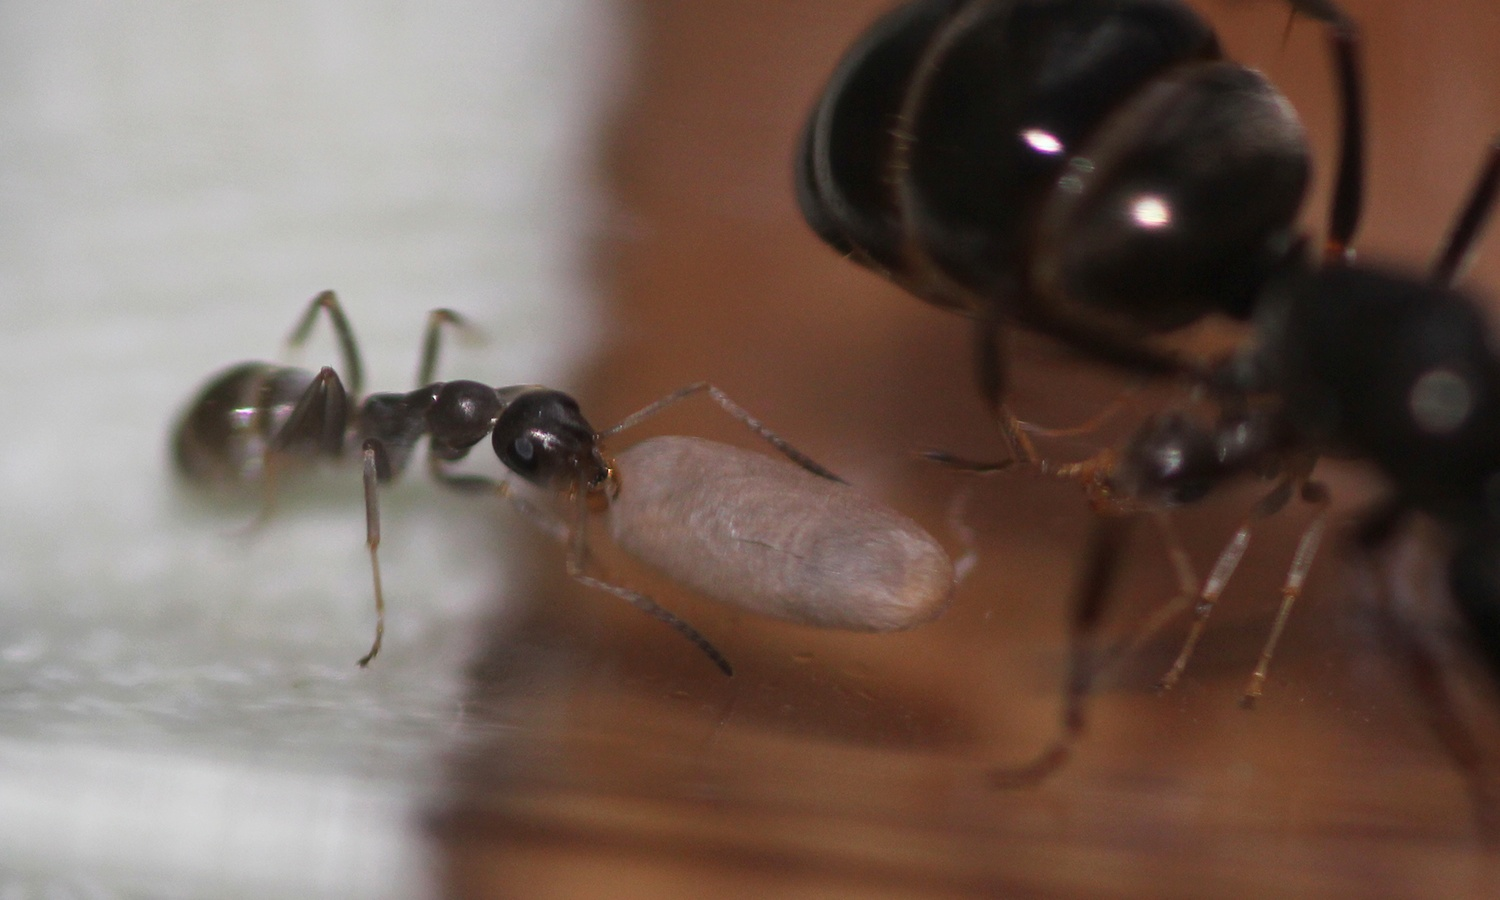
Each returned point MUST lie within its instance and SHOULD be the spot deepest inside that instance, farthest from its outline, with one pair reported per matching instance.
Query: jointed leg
(1471, 220)
(1218, 578)
(735, 410)
(314, 428)
(1105, 546)
(328, 302)
(431, 340)
(1093, 423)
(578, 554)
(1349, 187)
(369, 455)
(1307, 549)
(1347, 203)
(575, 538)
(968, 539)
(1430, 660)
(1187, 590)
(554, 527)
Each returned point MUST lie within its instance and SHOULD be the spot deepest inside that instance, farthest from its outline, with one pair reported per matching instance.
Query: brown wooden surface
(606, 758)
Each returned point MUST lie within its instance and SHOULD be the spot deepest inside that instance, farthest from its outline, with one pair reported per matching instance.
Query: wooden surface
(605, 757)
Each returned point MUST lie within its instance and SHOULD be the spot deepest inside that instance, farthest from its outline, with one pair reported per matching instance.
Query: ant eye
(523, 452)
(533, 455)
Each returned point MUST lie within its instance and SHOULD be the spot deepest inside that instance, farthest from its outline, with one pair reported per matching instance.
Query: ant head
(542, 436)
(461, 414)
(1172, 459)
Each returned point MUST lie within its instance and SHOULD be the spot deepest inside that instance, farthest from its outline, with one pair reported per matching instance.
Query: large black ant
(1094, 170)
(1066, 166)
(792, 542)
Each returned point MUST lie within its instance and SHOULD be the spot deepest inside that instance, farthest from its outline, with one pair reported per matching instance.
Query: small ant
(791, 542)
(971, 151)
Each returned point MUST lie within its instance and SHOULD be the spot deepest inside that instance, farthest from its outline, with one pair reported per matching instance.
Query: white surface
(180, 713)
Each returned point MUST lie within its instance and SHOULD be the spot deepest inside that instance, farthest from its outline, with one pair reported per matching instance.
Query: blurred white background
(180, 713)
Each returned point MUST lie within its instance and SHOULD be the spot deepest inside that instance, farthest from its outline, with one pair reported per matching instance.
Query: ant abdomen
(1139, 235)
(774, 539)
(1000, 104)
(224, 436)
(842, 181)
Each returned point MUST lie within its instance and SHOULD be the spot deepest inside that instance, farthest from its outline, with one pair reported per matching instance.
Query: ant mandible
(791, 542)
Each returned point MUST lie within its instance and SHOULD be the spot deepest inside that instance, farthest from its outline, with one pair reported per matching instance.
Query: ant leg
(1218, 578)
(1207, 597)
(1347, 205)
(578, 554)
(654, 610)
(1105, 545)
(1429, 668)
(371, 455)
(1187, 588)
(735, 410)
(1223, 570)
(315, 427)
(316, 424)
(1182, 564)
(553, 526)
(965, 464)
(431, 340)
(576, 539)
(958, 525)
(1302, 560)
(989, 366)
(328, 302)
(1471, 221)
(1121, 402)
(1446, 721)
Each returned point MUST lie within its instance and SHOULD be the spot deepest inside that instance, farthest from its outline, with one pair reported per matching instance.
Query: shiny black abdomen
(1091, 158)
(223, 435)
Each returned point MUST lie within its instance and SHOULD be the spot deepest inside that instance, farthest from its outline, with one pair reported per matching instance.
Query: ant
(975, 154)
(788, 541)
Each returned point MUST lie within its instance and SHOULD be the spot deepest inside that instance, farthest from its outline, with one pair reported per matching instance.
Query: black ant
(972, 152)
(793, 543)
(1096, 171)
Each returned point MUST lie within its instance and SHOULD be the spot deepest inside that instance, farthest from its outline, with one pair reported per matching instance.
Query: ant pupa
(788, 540)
